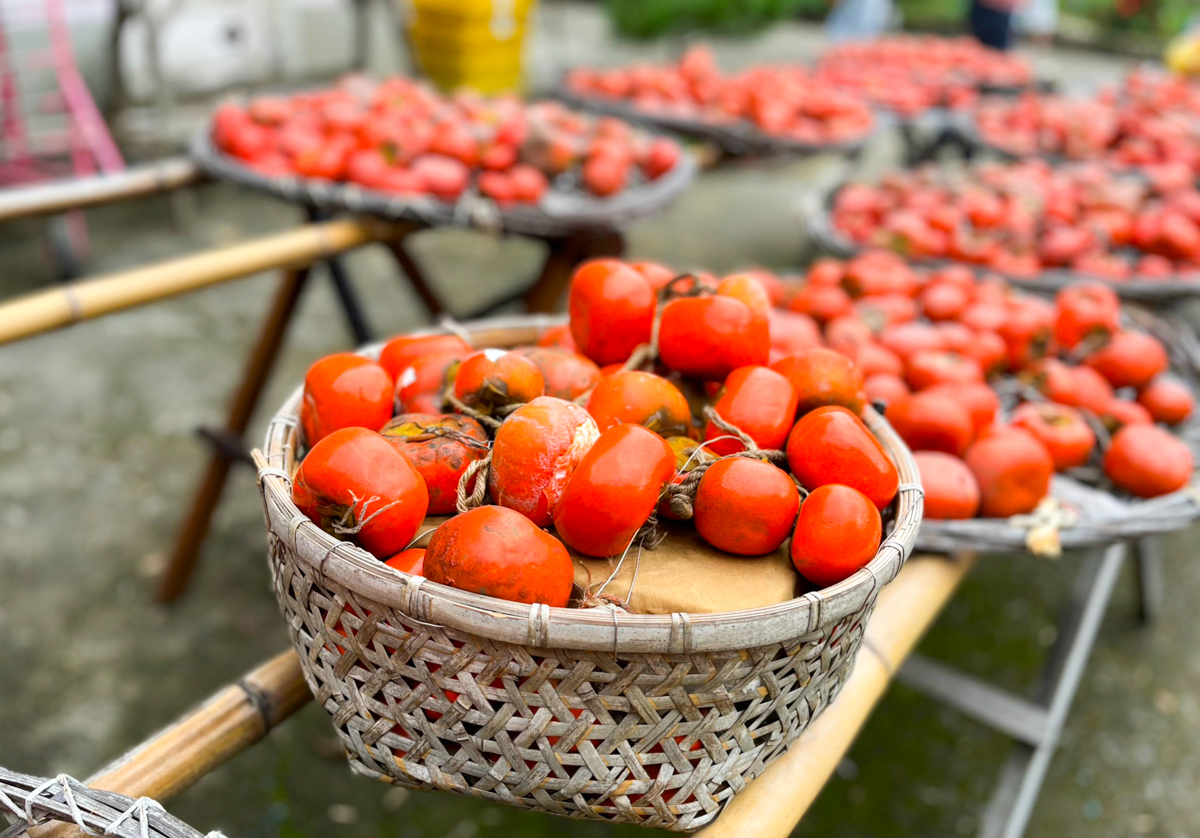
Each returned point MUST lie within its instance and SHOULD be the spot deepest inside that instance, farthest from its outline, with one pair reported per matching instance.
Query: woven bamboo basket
(650, 719)
(828, 238)
(1089, 512)
(27, 801)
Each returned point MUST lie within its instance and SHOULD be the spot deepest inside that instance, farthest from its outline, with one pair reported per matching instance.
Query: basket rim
(542, 626)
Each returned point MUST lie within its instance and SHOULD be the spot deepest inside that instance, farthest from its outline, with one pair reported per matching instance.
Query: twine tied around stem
(477, 470)
(683, 494)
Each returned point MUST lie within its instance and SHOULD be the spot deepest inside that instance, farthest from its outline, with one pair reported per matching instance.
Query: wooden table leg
(415, 275)
(565, 254)
(190, 537)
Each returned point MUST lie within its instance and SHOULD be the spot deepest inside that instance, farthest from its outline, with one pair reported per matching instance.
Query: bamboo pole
(80, 193)
(772, 805)
(67, 304)
(227, 724)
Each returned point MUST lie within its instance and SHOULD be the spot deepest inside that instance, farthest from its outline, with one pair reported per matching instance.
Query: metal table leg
(1147, 553)
(1036, 725)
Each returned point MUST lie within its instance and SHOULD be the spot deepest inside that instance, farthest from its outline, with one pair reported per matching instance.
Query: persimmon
(1013, 470)
(1147, 461)
(847, 333)
(400, 352)
(1091, 390)
(410, 561)
(354, 483)
(1086, 310)
(820, 302)
(612, 310)
(989, 350)
(748, 290)
(823, 377)
(838, 532)
(744, 506)
(1027, 331)
(1120, 413)
(925, 369)
(558, 337)
(832, 445)
(951, 492)
(758, 401)
(980, 400)
(344, 391)
(494, 378)
(659, 276)
(613, 490)
(640, 398)
(710, 337)
(886, 309)
(826, 271)
(440, 446)
(932, 422)
(567, 374)
(421, 386)
(1072, 386)
(1129, 359)
(907, 339)
(1167, 400)
(879, 272)
(536, 449)
(872, 358)
(957, 338)
(884, 387)
(499, 552)
(1062, 429)
(792, 332)
(943, 301)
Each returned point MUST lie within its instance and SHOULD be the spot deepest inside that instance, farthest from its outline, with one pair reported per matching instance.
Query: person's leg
(990, 27)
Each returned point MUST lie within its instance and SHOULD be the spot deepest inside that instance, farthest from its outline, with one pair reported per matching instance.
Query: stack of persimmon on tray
(1083, 387)
(659, 401)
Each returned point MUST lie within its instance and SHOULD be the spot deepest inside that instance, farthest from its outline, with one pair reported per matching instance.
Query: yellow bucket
(470, 43)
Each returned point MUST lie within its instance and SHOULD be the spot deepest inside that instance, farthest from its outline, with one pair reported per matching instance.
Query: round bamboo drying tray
(828, 238)
(652, 719)
(561, 212)
(736, 138)
(1095, 514)
(28, 801)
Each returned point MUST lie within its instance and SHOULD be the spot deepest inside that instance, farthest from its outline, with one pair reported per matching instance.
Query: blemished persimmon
(933, 422)
(980, 400)
(1166, 400)
(951, 492)
(612, 310)
(823, 377)
(440, 446)
(838, 532)
(411, 561)
(710, 337)
(536, 450)
(832, 445)
(568, 375)
(925, 369)
(1129, 359)
(344, 391)
(744, 506)
(499, 552)
(558, 337)
(1086, 310)
(421, 386)
(495, 378)
(1013, 470)
(354, 484)
(1147, 461)
(884, 388)
(613, 490)
(1062, 429)
(758, 401)
(640, 398)
(400, 352)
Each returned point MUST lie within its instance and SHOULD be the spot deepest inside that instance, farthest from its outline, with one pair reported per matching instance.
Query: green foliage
(648, 18)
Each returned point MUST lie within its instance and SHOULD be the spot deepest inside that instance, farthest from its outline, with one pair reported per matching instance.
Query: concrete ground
(98, 457)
